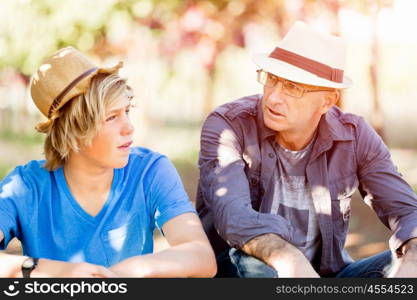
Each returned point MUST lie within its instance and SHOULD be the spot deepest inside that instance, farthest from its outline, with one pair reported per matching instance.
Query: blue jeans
(235, 263)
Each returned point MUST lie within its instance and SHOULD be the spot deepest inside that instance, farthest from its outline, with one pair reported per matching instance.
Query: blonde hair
(79, 120)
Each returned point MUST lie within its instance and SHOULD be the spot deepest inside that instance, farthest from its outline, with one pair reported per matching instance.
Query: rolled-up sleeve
(225, 186)
(393, 200)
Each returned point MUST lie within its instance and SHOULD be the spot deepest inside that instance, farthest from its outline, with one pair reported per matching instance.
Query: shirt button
(271, 155)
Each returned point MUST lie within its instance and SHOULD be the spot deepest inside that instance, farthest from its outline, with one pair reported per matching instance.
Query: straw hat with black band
(64, 75)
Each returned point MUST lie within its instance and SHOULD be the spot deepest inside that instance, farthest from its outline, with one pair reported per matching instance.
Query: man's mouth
(274, 113)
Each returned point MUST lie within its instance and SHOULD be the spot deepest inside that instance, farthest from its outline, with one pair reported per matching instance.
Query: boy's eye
(110, 118)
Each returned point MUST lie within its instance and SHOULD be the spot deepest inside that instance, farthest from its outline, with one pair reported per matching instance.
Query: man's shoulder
(345, 117)
(242, 106)
(349, 125)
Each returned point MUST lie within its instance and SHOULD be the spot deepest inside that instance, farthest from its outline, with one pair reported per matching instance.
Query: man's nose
(277, 93)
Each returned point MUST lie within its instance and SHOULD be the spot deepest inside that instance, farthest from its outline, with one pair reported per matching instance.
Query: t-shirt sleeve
(165, 192)
(13, 190)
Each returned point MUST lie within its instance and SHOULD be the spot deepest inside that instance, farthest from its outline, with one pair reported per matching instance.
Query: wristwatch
(28, 265)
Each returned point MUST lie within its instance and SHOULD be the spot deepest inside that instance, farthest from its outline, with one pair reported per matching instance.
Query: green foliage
(21, 139)
(4, 170)
(30, 30)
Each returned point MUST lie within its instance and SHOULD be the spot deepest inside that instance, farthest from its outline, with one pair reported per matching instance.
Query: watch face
(28, 263)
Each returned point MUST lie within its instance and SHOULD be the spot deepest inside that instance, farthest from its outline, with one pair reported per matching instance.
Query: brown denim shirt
(237, 162)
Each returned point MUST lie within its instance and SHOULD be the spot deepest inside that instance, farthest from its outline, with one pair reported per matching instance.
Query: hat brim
(293, 73)
(82, 86)
(110, 70)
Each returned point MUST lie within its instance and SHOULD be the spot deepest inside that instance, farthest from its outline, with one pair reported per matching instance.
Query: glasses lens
(262, 77)
(293, 89)
(270, 80)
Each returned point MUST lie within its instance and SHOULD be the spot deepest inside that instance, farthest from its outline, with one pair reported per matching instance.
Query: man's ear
(331, 99)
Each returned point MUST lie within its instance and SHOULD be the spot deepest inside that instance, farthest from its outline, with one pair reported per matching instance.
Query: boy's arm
(11, 267)
(190, 254)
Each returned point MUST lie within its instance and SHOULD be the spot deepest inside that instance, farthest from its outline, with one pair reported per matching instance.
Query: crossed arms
(189, 255)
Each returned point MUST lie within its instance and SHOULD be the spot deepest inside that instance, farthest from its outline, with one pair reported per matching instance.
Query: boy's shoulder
(141, 156)
(34, 169)
(143, 153)
(25, 178)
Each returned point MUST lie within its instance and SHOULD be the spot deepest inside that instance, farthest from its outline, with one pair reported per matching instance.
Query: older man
(277, 172)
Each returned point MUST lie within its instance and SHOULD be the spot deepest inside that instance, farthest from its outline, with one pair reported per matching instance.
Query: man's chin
(274, 125)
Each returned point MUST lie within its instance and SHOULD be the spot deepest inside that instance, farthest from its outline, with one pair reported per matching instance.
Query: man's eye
(273, 79)
(127, 111)
(292, 87)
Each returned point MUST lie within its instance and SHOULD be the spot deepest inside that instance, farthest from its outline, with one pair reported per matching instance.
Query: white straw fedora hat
(307, 56)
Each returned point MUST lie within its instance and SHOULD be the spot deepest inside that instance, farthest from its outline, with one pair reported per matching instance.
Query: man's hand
(405, 266)
(53, 268)
(286, 259)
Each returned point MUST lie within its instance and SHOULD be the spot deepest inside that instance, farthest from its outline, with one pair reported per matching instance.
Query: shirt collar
(331, 127)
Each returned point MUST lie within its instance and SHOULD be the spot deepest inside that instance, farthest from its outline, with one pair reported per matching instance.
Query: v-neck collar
(62, 183)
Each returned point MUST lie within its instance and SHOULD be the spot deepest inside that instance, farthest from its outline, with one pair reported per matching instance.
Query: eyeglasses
(289, 88)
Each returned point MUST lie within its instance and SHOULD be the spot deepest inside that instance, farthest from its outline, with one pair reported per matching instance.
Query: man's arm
(286, 259)
(406, 265)
(384, 189)
(190, 254)
(226, 190)
(225, 186)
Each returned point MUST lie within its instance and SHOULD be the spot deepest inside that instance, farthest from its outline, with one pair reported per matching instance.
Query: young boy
(90, 208)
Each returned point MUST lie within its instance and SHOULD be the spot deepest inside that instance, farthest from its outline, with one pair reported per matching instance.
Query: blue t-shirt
(37, 207)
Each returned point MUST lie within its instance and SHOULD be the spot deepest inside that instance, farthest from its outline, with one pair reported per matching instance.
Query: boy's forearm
(11, 265)
(186, 260)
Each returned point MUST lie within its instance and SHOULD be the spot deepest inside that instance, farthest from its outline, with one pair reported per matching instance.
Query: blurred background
(183, 58)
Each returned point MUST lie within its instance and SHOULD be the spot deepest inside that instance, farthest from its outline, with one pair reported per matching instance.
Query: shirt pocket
(341, 191)
(125, 240)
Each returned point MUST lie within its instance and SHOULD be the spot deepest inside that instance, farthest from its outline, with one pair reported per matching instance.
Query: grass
(186, 165)
(21, 139)
(4, 170)
(17, 142)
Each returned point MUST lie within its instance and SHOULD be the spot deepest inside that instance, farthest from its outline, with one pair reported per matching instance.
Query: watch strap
(27, 270)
